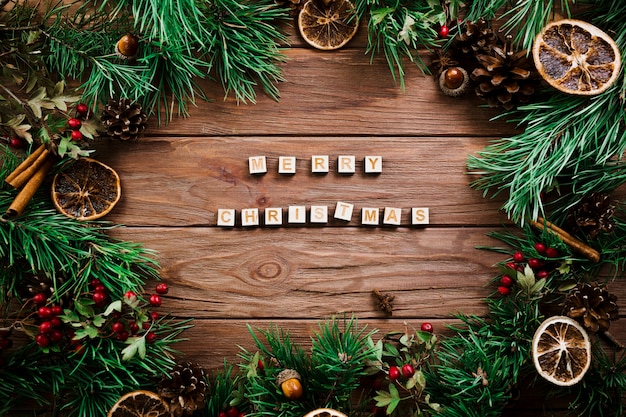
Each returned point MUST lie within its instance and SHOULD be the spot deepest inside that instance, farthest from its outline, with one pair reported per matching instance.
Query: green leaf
(114, 306)
(84, 307)
(135, 345)
(98, 321)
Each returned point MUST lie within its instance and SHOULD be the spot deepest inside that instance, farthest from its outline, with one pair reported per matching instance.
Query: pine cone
(124, 119)
(505, 78)
(593, 306)
(185, 390)
(594, 214)
(476, 38)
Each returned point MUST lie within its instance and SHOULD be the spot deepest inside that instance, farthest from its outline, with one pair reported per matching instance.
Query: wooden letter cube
(343, 211)
(297, 214)
(273, 216)
(373, 164)
(257, 164)
(392, 216)
(226, 217)
(346, 164)
(250, 217)
(319, 214)
(319, 164)
(369, 216)
(286, 164)
(420, 215)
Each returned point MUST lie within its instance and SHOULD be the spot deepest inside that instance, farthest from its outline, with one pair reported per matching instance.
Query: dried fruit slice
(86, 190)
(328, 24)
(561, 351)
(576, 57)
(325, 412)
(140, 403)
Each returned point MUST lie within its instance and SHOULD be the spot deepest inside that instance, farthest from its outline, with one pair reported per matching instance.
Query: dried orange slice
(325, 412)
(328, 24)
(86, 190)
(561, 351)
(576, 57)
(140, 403)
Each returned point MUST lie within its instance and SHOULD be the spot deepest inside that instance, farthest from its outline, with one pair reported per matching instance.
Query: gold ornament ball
(127, 47)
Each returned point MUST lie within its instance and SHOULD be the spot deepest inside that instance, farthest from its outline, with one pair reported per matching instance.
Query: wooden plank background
(332, 103)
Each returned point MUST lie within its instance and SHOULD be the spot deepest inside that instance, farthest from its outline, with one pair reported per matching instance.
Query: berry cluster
(232, 411)
(75, 123)
(542, 262)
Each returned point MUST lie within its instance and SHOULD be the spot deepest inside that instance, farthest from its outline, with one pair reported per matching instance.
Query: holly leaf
(84, 307)
(98, 321)
(86, 331)
(20, 129)
(114, 306)
(136, 345)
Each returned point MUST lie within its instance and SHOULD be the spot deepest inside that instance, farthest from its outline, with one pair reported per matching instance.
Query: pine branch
(399, 30)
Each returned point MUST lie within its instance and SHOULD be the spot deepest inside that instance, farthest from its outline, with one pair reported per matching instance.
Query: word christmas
(273, 216)
(320, 164)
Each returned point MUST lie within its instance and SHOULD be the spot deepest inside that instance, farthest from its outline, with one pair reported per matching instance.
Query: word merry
(273, 216)
(320, 164)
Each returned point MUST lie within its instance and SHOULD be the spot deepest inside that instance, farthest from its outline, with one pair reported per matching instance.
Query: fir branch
(400, 30)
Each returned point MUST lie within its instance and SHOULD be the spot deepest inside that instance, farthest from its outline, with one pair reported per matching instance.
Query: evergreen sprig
(399, 29)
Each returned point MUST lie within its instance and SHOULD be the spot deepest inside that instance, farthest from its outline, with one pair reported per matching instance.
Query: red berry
(42, 340)
(40, 298)
(118, 327)
(162, 288)
(540, 248)
(518, 256)
(44, 312)
(74, 123)
(511, 265)
(100, 288)
(130, 296)
(76, 135)
(99, 298)
(222, 414)
(260, 365)
(507, 281)
(242, 414)
(122, 336)
(504, 290)
(151, 337)
(16, 142)
(6, 344)
(444, 31)
(535, 263)
(94, 283)
(134, 327)
(408, 371)
(82, 109)
(57, 310)
(55, 335)
(56, 322)
(155, 300)
(232, 412)
(427, 327)
(552, 253)
(146, 325)
(543, 274)
(394, 373)
(45, 327)
(154, 315)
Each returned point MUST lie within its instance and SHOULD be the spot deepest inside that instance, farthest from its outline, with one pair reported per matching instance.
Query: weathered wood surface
(177, 177)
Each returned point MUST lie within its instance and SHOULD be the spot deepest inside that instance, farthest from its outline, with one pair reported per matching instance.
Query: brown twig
(576, 245)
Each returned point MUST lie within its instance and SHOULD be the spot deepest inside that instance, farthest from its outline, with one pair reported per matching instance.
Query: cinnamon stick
(576, 245)
(27, 168)
(26, 194)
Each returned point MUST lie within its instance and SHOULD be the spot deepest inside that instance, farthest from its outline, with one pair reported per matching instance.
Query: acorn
(127, 47)
(454, 81)
(290, 383)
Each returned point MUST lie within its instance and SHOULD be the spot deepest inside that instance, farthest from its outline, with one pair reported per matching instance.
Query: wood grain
(185, 181)
(343, 93)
